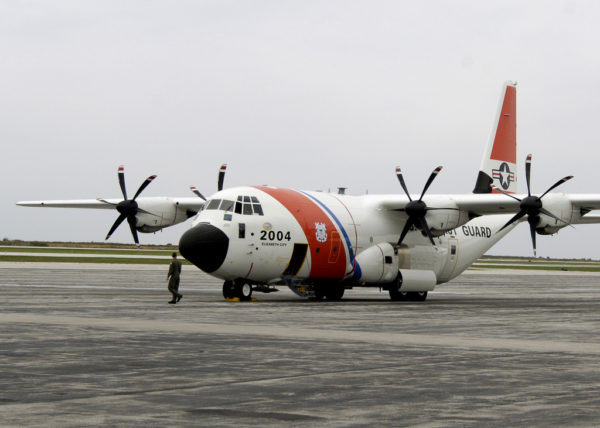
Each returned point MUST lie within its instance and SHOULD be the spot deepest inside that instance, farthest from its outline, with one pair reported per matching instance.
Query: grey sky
(305, 94)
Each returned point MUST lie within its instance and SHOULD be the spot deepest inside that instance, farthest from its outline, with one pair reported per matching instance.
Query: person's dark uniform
(173, 278)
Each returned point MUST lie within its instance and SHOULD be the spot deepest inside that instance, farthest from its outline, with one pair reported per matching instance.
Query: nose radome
(205, 246)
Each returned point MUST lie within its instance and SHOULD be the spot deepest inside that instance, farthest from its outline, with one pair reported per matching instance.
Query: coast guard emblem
(321, 232)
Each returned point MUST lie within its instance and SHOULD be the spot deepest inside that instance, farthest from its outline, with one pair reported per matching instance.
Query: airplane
(320, 244)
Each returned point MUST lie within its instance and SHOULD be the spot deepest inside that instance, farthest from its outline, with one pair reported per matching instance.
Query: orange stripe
(328, 258)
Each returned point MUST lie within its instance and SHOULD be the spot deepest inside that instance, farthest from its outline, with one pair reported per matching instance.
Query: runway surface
(85, 344)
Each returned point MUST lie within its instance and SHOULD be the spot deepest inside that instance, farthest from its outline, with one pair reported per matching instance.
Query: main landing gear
(333, 292)
(413, 296)
(240, 289)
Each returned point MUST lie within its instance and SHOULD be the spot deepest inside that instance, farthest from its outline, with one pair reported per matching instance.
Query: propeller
(128, 208)
(531, 206)
(417, 210)
(220, 181)
(197, 192)
(222, 171)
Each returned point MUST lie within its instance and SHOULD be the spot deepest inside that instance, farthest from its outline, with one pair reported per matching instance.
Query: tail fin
(499, 163)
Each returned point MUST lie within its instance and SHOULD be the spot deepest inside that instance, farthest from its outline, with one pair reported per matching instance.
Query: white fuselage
(275, 233)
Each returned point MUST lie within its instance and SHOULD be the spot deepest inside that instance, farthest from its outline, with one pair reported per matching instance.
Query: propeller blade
(140, 210)
(144, 185)
(531, 221)
(407, 226)
(116, 224)
(221, 177)
(132, 221)
(549, 214)
(197, 193)
(528, 173)
(106, 202)
(558, 183)
(121, 174)
(402, 183)
(516, 217)
(425, 228)
(505, 193)
(430, 180)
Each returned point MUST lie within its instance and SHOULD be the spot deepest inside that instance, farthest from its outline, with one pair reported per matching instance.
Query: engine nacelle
(558, 205)
(156, 213)
(441, 221)
(378, 264)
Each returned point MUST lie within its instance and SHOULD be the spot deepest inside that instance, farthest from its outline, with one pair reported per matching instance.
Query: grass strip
(539, 262)
(548, 268)
(86, 251)
(75, 259)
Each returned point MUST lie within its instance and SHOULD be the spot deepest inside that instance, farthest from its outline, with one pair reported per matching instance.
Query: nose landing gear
(238, 288)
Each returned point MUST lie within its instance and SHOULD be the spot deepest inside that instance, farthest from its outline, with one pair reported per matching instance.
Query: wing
(564, 205)
(573, 208)
(473, 204)
(193, 204)
(72, 203)
(145, 214)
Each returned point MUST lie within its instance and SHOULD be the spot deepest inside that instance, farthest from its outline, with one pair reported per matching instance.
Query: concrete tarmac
(85, 344)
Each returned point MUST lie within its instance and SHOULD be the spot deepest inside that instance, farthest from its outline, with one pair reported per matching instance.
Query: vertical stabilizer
(499, 163)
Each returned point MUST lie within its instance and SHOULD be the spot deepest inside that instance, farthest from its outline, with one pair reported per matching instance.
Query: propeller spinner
(531, 206)
(128, 208)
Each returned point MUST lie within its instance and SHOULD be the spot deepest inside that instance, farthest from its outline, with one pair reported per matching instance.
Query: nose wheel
(240, 289)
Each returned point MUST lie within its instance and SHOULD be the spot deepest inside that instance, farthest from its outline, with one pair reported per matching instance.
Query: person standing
(173, 278)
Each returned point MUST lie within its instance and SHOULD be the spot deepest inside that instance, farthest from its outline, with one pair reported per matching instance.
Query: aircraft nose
(205, 246)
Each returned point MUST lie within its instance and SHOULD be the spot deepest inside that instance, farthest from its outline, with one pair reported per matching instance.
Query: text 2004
(271, 235)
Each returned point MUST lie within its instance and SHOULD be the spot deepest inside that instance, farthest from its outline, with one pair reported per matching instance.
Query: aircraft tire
(319, 292)
(243, 291)
(335, 293)
(398, 296)
(417, 296)
(228, 290)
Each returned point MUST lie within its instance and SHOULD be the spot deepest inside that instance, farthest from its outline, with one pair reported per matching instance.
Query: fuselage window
(213, 204)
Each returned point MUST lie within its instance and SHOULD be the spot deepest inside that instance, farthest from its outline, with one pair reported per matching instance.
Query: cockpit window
(248, 205)
(218, 204)
(257, 209)
(213, 204)
(226, 205)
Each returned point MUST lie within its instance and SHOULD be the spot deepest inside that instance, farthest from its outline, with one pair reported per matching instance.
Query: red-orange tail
(499, 163)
